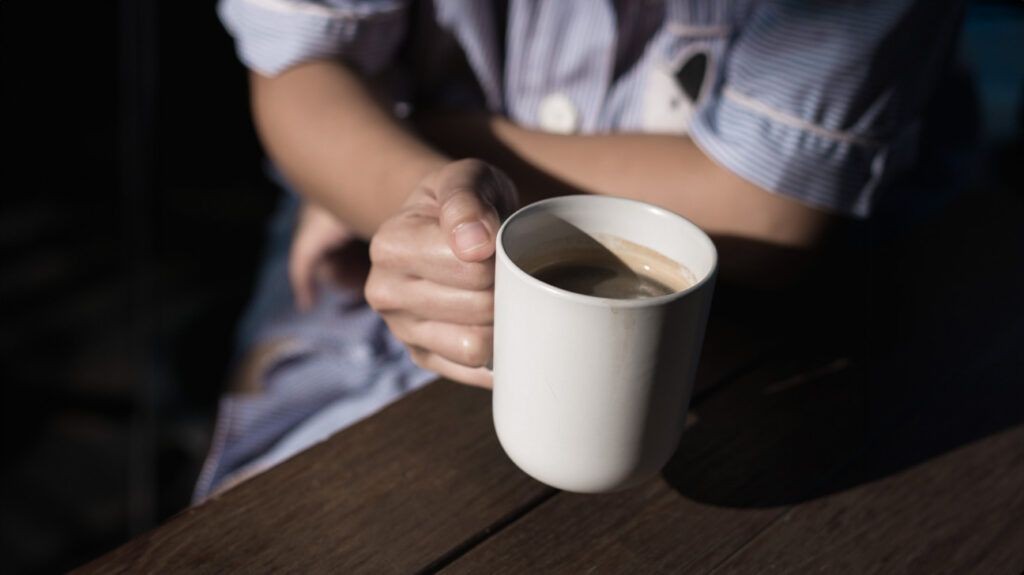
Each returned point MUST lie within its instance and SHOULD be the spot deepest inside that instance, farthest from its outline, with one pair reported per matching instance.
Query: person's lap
(300, 377)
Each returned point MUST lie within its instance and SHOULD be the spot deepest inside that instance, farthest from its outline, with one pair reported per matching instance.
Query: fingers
(467, 345)
(469, 194)
(432, 269)
(316, 234)
(431, 301)
(476, 376)
(469, 224)
(416, 246)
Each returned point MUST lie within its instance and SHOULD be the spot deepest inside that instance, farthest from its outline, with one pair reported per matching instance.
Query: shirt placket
(472, 22)
(560, 60)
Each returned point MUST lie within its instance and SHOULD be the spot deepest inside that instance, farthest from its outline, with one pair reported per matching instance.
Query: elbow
(777, 246)
(789, 224)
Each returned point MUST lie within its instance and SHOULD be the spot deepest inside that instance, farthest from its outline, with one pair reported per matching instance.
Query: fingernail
(470, 236)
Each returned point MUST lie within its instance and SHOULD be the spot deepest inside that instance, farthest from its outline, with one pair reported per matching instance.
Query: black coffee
(615, 269)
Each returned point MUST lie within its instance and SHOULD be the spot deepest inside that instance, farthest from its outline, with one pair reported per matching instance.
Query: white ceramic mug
(590, 394)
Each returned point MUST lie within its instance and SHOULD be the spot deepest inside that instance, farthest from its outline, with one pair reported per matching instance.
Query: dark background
(130, 226)
(132, 210)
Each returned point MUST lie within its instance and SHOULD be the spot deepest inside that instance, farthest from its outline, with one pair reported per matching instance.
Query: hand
(318, 234)
(432, 269)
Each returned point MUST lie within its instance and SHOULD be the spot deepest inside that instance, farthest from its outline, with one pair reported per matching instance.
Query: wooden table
(906, 456)
(779, 471)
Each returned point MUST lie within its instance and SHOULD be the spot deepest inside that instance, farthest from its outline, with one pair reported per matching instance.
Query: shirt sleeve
(820, 101)
(274, 35)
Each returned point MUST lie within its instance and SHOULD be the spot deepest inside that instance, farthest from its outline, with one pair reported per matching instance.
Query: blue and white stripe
(809, 98)
(817, 101)
(820, 101)
(327, 369)
(274, 35)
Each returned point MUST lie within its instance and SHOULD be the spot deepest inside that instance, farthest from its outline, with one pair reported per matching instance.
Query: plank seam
(498, 526)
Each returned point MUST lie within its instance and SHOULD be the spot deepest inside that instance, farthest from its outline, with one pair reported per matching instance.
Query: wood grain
(409, 489)
(941, 489)
(944, 494)
(750, 449)
(791, 474)
(389, 495)
(732, 346)
(851, 487)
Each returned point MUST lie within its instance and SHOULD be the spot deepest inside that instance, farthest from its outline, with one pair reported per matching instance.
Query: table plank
(780, 491)
(746, 454)
(957, 506)
(653, 529)
(961, 513)
(732, 347)
(942, 489)
(411, 488)
(391, 494)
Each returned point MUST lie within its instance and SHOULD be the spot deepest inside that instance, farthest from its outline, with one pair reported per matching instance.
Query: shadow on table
(938, 367)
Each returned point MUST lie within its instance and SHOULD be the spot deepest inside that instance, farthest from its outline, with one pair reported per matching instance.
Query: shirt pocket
(681, 77)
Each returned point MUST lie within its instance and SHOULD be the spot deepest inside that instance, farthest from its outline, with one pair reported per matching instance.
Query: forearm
(668, 171)
(764, 239)
(337, 144)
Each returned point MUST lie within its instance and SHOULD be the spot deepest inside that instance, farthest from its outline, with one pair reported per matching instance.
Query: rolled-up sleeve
(274, 35)
(820, 101)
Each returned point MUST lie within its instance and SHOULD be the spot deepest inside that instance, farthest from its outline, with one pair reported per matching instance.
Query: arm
(337, 144)
(433, 221)
(766, 240)
(669, 171)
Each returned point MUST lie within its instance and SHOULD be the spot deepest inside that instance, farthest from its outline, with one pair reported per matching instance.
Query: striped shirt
(818, 101)
(814, 100)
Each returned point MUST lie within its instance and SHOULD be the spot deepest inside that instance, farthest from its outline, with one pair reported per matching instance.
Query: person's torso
(572, 66)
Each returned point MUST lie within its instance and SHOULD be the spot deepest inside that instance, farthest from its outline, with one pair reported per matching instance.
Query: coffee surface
(613, 268)
(601, 281)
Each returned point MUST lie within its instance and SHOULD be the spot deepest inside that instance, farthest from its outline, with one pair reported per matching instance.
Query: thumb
(467, 192)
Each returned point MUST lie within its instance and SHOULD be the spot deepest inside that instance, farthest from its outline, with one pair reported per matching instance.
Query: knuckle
(383, 248)
(378, 250)
(475, 349)
(377, 294)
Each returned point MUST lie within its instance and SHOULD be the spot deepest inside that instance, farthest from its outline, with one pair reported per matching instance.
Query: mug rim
(502, 256)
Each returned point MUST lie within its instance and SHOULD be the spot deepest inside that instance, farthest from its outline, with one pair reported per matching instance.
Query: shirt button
(558, 115)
